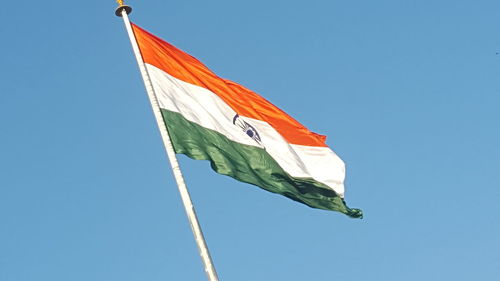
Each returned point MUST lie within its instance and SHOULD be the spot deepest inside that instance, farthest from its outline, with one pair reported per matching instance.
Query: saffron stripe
(245, 102)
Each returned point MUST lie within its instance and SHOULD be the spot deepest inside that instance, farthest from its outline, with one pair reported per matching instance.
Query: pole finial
(122, 7)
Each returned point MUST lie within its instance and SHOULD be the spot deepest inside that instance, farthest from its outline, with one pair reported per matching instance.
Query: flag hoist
(243, 135)
(123, 11)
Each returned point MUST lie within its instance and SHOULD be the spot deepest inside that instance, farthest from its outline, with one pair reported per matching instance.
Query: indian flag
(242, 134)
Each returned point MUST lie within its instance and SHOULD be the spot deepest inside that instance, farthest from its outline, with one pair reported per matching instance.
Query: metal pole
(123, 12)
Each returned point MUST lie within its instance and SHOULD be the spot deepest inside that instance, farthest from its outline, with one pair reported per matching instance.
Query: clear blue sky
(408, 93)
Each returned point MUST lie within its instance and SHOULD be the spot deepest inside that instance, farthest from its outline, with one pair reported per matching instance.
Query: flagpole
(123, 11)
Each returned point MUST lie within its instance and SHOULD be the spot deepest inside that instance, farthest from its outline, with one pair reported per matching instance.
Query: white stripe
(203, 107)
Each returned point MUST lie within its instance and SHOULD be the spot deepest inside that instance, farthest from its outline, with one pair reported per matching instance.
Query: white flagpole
(123, 11)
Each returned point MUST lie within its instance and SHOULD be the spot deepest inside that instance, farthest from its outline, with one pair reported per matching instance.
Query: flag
(242, 134)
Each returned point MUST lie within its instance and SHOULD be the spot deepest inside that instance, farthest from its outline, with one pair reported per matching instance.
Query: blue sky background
(408, 93)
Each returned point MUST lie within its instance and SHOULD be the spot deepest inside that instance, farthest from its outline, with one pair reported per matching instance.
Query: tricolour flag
(242, 134)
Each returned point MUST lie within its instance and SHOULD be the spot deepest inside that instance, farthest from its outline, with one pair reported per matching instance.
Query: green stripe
(249, 164)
